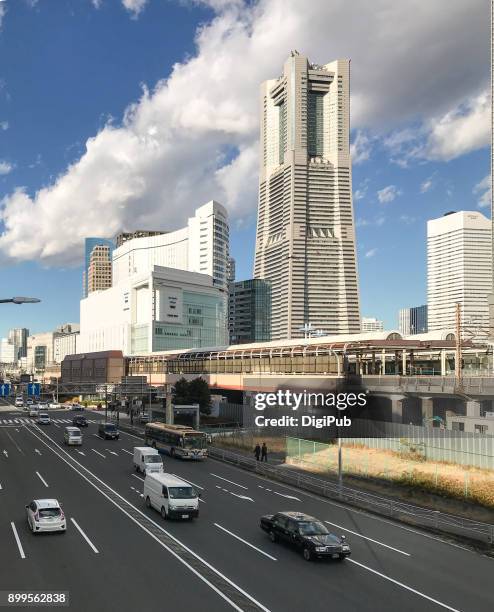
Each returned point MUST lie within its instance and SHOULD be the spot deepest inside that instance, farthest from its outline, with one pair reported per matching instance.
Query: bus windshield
(194, 441)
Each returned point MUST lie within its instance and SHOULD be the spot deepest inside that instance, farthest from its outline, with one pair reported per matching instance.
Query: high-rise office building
(413, 320)
(99, 272)
(371, 324)
(305, 244)
(202, 246)
(249, 311)
(459, 270)
(93, 245)
(230, 270)
(18, 337)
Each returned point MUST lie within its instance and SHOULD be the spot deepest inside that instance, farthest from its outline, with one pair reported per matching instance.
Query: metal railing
(415, 515)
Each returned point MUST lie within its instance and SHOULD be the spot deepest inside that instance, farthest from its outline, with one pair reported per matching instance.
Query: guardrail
(415, 515)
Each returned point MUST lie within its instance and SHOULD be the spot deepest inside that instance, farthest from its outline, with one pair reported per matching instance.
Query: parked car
(72, 436)
(108, 430)
(45, 515)
(80, 421)
(43, 418)
(307, 534)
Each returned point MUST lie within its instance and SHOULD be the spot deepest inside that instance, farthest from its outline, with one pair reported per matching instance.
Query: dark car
(80, 421)
(108, 430)
(307, 534)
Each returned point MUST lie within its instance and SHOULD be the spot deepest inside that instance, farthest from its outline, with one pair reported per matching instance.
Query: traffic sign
(4, 389)
(33, 388)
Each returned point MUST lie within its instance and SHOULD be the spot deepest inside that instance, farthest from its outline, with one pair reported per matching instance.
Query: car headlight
(320, 548)
(345, 548)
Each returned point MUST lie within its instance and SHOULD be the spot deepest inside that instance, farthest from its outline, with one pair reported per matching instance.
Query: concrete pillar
(404, 363)
(373, 366)
(427, 405)
(397, 363)
(473, 408)
(197, 418)
(168, 406)
(397, 408)
(383, 362)
(338, 365)
(443, 362)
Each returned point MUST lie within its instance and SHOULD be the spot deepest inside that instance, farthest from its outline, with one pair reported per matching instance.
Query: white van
(72, 436)
(173, 497)
(19, 402)
(147, 460)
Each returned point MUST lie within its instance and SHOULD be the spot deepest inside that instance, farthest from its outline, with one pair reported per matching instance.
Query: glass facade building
(249, 311)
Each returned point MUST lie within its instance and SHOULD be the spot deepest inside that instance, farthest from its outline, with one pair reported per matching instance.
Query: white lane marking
(6, 453)
(42, 479)
(98, 453)
(14, 443)
(287, 496)
(112, 452)
(84, 535)
(131, 435)
(241, 496)
(245, 542)
(404, 586)
(19, 545)
(201, 501)
(367, 538)
(188, 481)
(37, 451)
(0, 486)
(56, 425)
(230, 481)
(126, 451)
(81, 453)
(156, 525)
(138, 477)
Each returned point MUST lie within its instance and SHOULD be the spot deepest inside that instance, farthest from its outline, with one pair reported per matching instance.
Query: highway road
(119, 554)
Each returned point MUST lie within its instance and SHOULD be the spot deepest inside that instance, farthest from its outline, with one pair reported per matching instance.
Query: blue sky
(69, 69)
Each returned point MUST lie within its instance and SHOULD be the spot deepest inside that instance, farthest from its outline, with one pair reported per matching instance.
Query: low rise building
(160, 309)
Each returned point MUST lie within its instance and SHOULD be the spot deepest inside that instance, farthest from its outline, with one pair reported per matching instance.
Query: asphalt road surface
(117, 554)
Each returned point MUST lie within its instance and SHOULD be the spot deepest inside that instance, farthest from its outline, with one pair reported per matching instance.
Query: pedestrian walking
(257, 451)
(264, 452)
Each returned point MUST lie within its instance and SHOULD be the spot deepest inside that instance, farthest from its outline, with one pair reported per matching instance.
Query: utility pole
(458, 354)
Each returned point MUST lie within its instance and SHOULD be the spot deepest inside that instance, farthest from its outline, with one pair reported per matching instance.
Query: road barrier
(415, 515)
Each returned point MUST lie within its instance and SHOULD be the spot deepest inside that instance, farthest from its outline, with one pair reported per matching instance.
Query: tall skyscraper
(91, 245)
(18, 337)
(459, 270)
(305, 242)
(99, 273)
(371, 324)
(413, 320)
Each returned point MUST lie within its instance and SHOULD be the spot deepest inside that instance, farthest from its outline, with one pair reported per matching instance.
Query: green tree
(195, 391)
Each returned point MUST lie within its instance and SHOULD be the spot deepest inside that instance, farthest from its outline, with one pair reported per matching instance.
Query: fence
(415, 515)
(475, 450)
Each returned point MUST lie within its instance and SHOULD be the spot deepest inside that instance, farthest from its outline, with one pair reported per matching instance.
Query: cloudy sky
(122, 114)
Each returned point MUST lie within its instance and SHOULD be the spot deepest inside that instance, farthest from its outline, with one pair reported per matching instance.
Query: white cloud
(96, 3)
(134, 6)
(3, 11)
(407, 219)
(4, 125)
(483, 190)
(360, 149)
(370, 253)
(427, 184)
(5, 167)
(388, 194)
(170, 152)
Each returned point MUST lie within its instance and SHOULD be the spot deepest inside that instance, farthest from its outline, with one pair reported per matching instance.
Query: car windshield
(43, 416)
(111, 427)
(49, 512)
(74, 433)
(181, 492)
(313, 528)
(194, 441)
(153, 459)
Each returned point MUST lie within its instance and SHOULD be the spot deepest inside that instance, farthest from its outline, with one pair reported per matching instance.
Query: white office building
(155, 310)
(371, 324)
(67, 344)
(412, 321)
(459, 270)
(305, 243)
(8, 351)
(202, 246)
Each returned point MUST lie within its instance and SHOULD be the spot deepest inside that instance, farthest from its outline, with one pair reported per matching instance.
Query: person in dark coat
(264, 452)
(257, 451)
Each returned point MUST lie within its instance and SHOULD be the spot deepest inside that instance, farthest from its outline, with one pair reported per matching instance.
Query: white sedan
(45, 515)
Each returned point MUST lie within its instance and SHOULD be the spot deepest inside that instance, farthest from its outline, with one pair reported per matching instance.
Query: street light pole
(20, 300)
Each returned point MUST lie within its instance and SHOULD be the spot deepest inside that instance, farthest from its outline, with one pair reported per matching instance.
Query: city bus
(177, 440)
